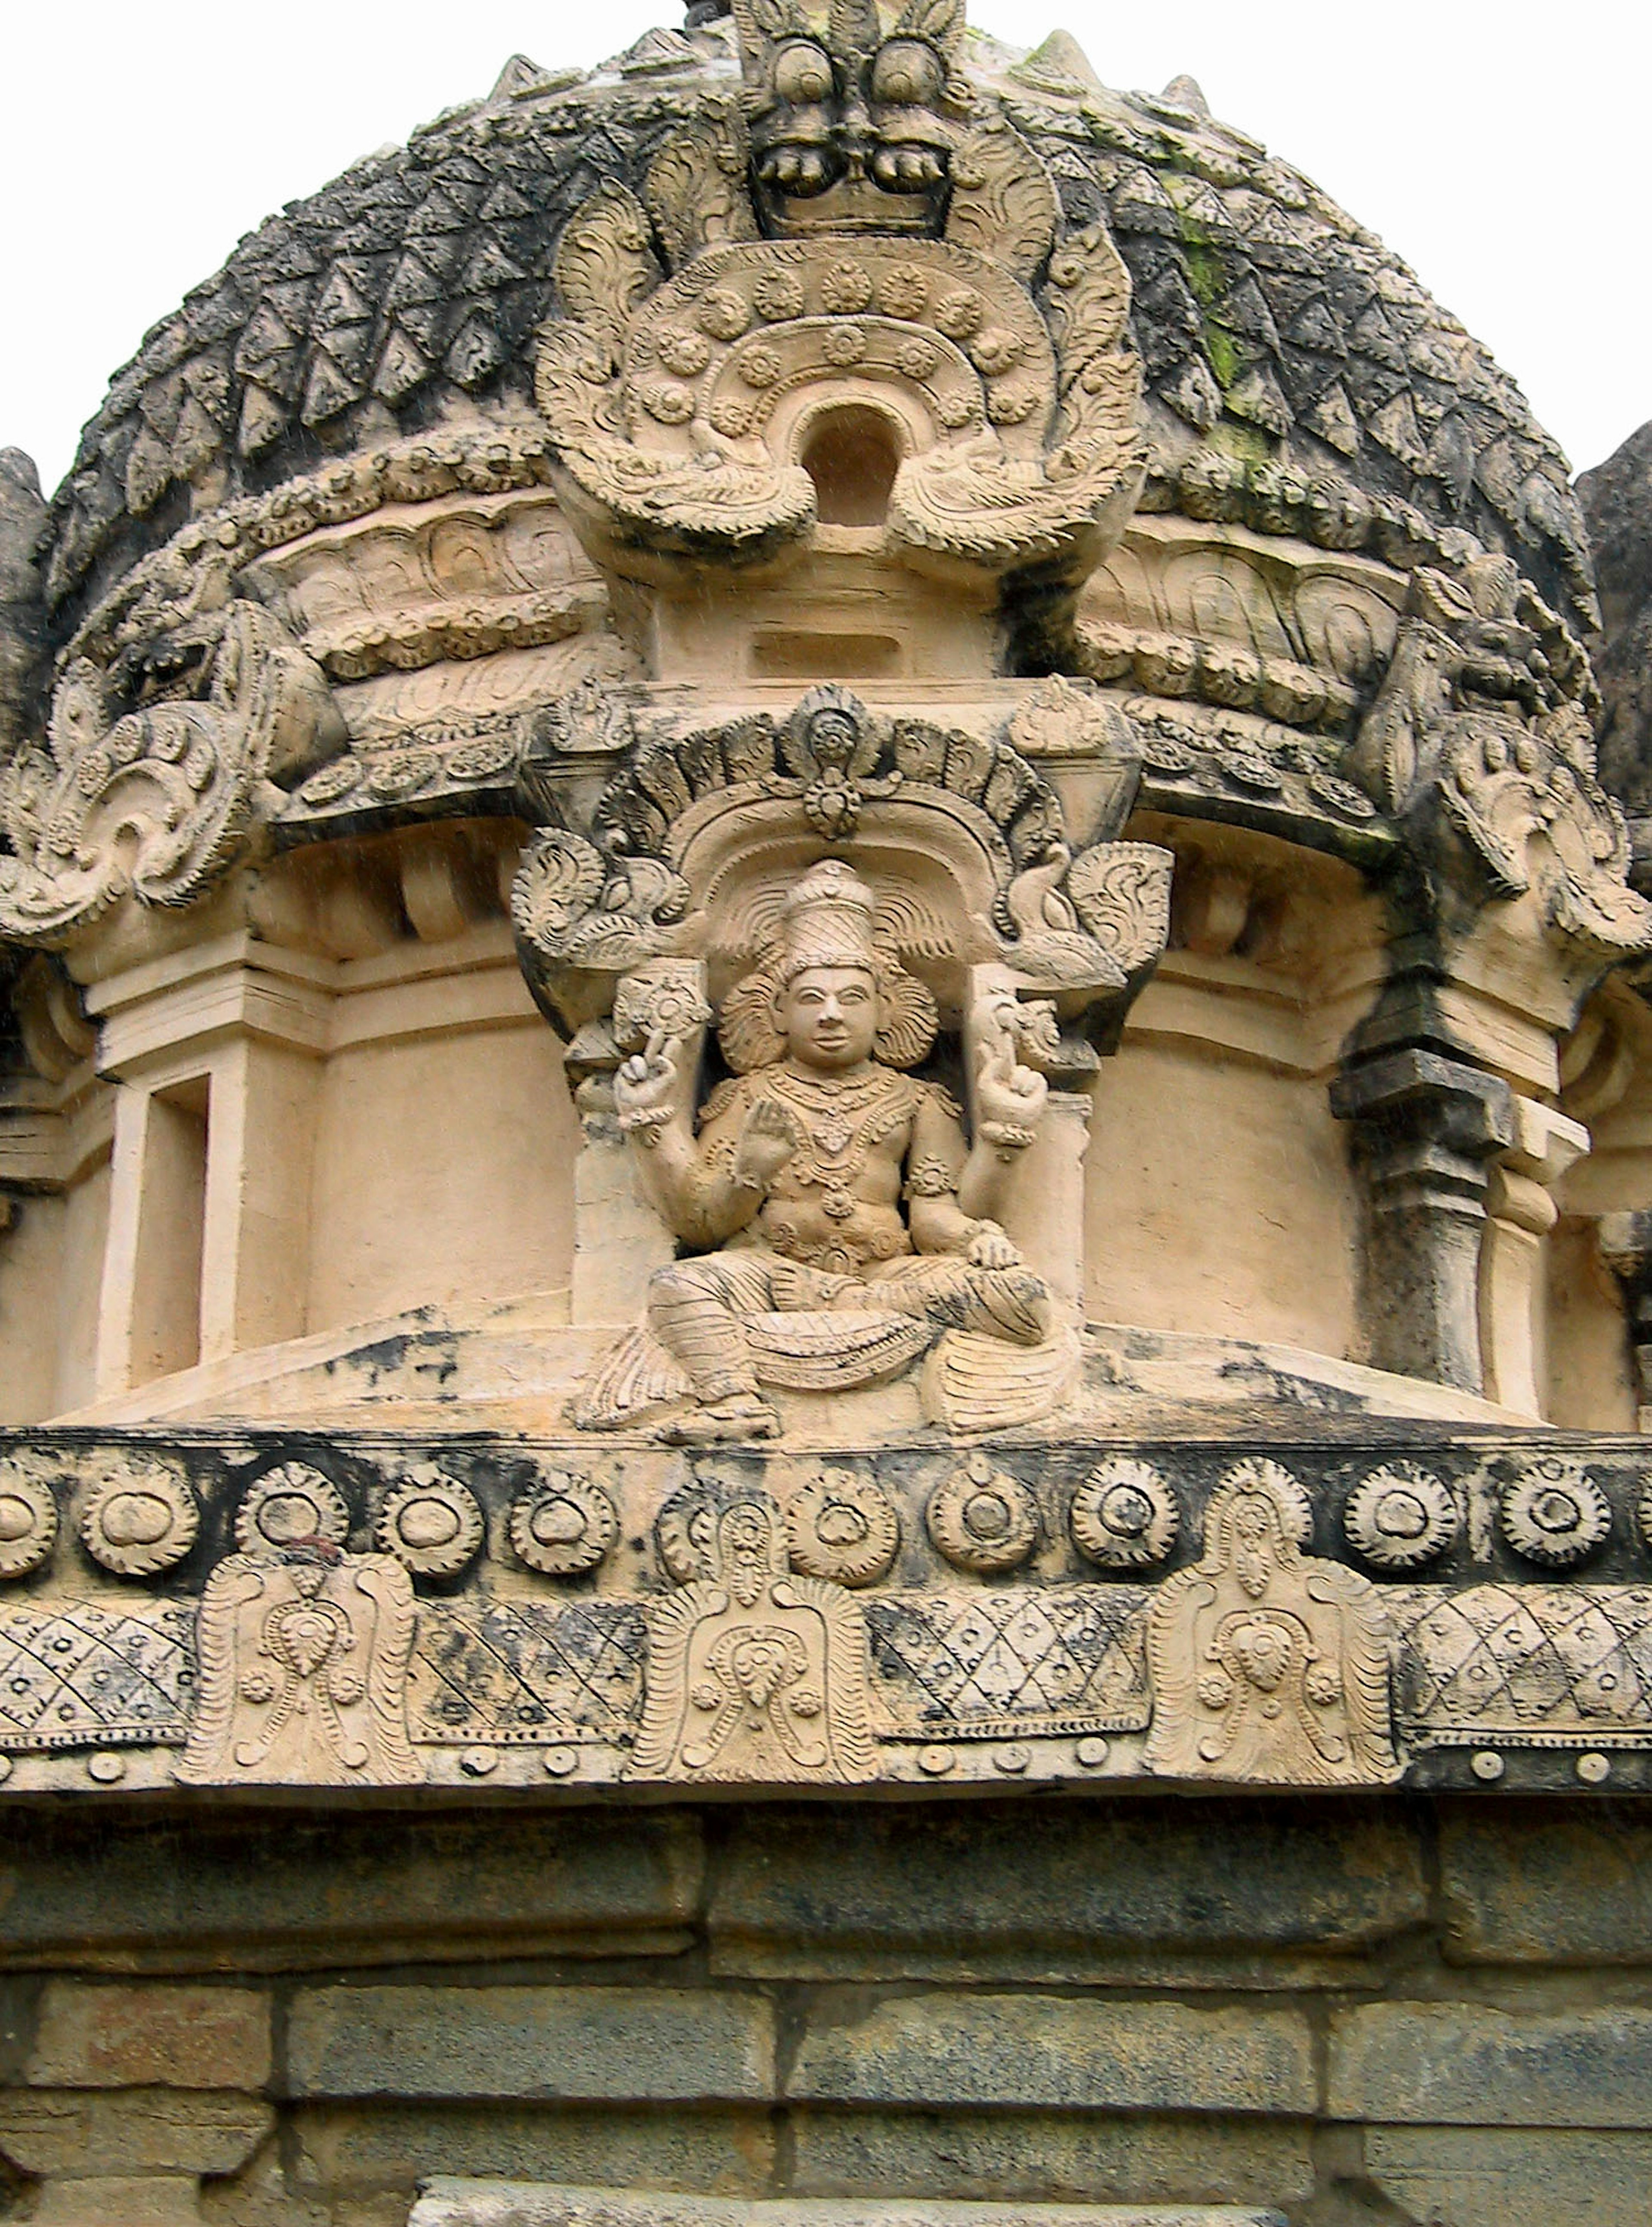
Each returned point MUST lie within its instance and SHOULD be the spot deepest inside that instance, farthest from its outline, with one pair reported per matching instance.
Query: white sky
(1500, 149)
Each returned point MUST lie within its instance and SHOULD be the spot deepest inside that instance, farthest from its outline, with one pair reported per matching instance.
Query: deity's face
(829, 1016)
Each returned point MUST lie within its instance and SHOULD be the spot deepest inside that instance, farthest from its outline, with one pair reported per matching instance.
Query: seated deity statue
(823, 1176)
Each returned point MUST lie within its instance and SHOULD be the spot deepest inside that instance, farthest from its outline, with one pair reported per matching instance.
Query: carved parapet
(1426, 1129)
(377, 1613)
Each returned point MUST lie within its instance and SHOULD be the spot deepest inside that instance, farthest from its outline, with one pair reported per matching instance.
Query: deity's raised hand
(646, 1085)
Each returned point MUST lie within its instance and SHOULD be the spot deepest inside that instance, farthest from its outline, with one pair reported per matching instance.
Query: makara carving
(1268, 1664)
(154, 766)
(1483, 730)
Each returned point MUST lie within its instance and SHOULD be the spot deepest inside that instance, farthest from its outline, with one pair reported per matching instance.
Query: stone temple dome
(817, 1006)
(1296, 377)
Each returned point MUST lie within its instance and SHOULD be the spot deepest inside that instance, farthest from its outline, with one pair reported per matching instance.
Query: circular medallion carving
(292, 1506)
(399, 773)
(142, 1517)
(28, 1518)
(780, 295)
(842, 1527)
(723, 313)
(845, 287)
(1400, 1517)
(486, 754)
(1124, 1515)
(432, 1525)
(563, 1525)
(1555, 1513)
(1644, 1515)
(982, 1518)
(331, 782)
(1341, 797)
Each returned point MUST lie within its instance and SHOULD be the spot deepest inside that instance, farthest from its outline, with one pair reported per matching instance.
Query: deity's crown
(828, 921)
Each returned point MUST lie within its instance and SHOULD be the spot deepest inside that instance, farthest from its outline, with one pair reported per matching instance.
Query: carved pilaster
(1424, 1129)
(1625, 1241)
(1520, 1204)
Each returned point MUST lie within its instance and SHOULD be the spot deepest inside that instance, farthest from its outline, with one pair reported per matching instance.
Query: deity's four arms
(804, 1159)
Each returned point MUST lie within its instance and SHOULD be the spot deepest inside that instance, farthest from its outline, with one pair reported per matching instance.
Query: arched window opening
(852, 456)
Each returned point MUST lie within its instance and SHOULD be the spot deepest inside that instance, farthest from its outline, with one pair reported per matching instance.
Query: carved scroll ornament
(154, 801)
(590, 908)
(679, 403)
(752, 1673)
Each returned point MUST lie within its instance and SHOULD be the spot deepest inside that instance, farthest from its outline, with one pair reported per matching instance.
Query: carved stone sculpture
(154, 769)
(904, 238)
(1485, 720)
(303, 1672)
(1267, 1663)
(809, 1156)
(752, 1673)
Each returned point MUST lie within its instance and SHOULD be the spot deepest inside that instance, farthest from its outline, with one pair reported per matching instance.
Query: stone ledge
(516, 2203)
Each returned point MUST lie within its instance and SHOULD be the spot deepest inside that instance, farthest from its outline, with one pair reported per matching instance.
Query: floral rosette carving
(1124, 1516)
(141, 1517)
(28, 1518)
(154, 801)
(431, 1524)
(563, 1525)
(983, 1519)
(1401, 1516)
(1555, 1513)
(842, 1527)
(292, 1506)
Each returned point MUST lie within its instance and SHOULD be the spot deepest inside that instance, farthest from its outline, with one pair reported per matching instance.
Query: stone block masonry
(1329, 2008)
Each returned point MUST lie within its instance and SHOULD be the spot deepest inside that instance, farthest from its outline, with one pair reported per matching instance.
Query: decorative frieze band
(250, 1610)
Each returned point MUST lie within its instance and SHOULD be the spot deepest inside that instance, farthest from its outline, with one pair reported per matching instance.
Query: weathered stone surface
(1091, 2156)
(502, 2204)
(155, 2200)
(91, 2036)
(935, 2049)
(892, 1893)
(1532, 2178)
(23, 631)
(618, 2044)
(1617, 498)
(343, 2151)
(325, 1890)
(133, 2131)
(1468, 2064)
(1548, 1885)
